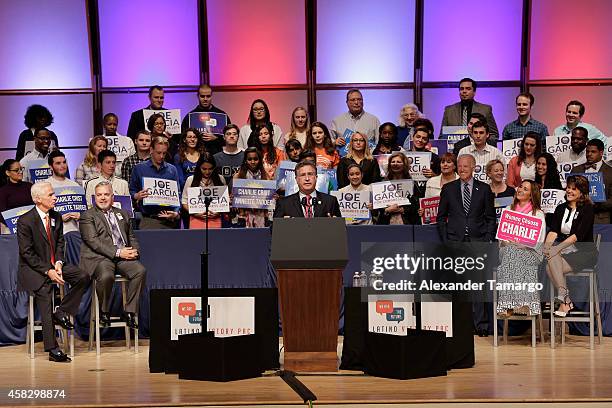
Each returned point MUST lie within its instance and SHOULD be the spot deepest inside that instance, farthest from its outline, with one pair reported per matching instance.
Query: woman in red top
(318, 139)
(523, 166)
(262, 139)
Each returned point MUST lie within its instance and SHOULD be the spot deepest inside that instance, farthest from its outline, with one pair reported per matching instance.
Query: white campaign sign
(161, 192)
(551, 198)
(511, 148)
(219, 195)
(353, 204)
(229, 316)
(418, 161)
(386, 193)
(557, 144)
(171, 116)
(122, 146)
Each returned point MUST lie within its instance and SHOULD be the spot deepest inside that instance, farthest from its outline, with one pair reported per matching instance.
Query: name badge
(52, 222)
(119, 216)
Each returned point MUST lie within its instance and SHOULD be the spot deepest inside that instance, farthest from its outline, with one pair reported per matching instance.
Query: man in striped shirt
(481, 150)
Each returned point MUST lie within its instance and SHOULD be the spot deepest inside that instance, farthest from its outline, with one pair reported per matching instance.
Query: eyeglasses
(259, 109)
(44, 139)
(19, 170)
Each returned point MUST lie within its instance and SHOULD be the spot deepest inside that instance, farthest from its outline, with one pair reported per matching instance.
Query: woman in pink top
(523, 166)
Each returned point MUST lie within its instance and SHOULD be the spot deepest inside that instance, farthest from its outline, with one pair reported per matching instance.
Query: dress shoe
(483, 333)
(105, 320)
(62, 320)
(130, 320)
(58, 356)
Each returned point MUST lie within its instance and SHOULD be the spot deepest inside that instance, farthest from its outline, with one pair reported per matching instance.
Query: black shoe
(105, 320)
(62, 320)
(483, 333)
(130, 320)
(58, 356)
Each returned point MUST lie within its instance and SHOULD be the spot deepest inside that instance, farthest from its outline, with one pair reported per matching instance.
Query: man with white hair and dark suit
(109, 247)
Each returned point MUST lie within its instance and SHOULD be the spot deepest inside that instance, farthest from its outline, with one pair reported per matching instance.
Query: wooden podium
(309, 256)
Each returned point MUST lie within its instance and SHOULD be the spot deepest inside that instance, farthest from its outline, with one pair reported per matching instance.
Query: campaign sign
(332, 181)
(122, 146)
(439, 147)
(285, 175)
(386, 193)
(596, 185)
(208, 122)
(383, 162)
(453, 134)
(229, 316)
(219, 203)
(39, 170)
(11, 216)
(551, 198)
(256, 194)
(162, 192)
(480, 172)
(518, 227)
(418, 161)
(343, 150)
(430, 209)
(390, 314)
(171, 116)
(353, 204)
(70, 199)
(565, 169)
(511, 148)
(608, 151)
(500, 204)
(558, 144)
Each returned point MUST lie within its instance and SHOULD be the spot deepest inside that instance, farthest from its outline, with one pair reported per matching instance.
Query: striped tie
(464, 118)
(466, 198)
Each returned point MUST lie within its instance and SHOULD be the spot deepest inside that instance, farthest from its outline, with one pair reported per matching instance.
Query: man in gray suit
(109, 246)
(459, 113)
(594, 164)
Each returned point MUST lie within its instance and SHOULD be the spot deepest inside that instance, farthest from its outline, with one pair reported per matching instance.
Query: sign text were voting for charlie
(162, 192)
(386, 193)
(218, 194)
(254, 194)
(517, 227)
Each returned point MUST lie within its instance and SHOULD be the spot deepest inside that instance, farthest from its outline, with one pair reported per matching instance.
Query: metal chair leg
(541, 324)
(533, 331)
(31, 326)
(597, 310)
(124, 301)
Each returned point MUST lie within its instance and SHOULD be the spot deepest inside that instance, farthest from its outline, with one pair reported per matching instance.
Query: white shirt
(569, 156)
(484, 155)
(597, 168)
(25, 162)
(528, 172)
(433, 188)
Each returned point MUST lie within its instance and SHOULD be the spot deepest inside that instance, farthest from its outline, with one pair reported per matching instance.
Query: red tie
(308, 207)
(48, 225)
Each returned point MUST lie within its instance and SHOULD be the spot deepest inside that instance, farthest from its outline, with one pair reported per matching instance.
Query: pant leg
(104, 275)
(44, 302)
(79, 281)
(136, 273)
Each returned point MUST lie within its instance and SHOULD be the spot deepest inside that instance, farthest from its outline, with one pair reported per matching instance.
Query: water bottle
(373, 277)
(363, 279)
(356, 280)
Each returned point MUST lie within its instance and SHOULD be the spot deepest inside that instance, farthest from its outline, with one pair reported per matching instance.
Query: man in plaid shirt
(143, 152)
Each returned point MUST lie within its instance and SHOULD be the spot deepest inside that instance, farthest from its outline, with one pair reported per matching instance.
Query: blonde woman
(299, 125)
(90, 167)
(358, 153)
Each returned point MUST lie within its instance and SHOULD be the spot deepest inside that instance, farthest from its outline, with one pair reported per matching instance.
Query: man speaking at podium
(307, 202)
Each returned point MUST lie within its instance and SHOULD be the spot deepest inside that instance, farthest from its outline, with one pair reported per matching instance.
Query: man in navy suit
(307, 202)
(467, 214)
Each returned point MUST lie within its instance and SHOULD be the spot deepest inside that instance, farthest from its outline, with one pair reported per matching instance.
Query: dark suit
(603, 209)
(137, 122)
(480, 221)
(452, 116)
(98, 256)
(35, 262)
(214, 146)
(325, 205)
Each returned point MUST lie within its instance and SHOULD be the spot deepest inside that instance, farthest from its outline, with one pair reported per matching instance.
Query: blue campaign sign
(11, 216)
(211, 122)
(596, 186)
(453, 134)
(285, 175)
(255, 194)
(70, 199)
(39, 170)
(343, 150)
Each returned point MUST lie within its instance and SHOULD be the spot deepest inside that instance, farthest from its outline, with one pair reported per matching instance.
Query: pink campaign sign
(518, 227)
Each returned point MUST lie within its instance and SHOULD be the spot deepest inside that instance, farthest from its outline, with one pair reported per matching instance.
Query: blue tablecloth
(239, 258)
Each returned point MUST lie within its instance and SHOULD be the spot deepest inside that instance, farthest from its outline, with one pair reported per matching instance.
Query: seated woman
(523, 166)
(252, 168)
(14, 192)
(495, 170)
(572, 223)
(520, 264)
(398, 169)
(387, 140)
(90, 168)
(205, 175)
(293, 149)
(299, 125)
(262, 139)
(359, 154)
(318, 139)
(355, 176)
(191, 148)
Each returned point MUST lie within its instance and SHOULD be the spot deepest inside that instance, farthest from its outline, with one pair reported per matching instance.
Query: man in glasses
(42, 141)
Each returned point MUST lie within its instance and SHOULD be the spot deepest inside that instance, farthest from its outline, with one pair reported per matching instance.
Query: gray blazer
(97, 239)
(452, 117)
(602, 210)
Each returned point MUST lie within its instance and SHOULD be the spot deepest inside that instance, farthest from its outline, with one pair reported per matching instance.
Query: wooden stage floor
(511, 373)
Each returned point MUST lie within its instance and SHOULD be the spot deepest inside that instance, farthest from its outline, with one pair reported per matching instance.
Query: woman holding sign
(190, 150)
(398, 169)
(14, 192)
(519, 263)
(358, 153)
(572, 223)
(252, 168)
(262, 139)
(90, 168)
(318, 139)
(523, 166)
(205, 175)
(355, 176)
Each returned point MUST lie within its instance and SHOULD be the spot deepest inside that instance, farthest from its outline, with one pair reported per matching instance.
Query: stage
(510, 373)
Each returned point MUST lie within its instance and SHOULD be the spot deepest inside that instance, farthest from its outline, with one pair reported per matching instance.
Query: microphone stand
(204, 272)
